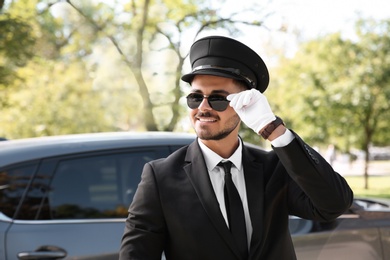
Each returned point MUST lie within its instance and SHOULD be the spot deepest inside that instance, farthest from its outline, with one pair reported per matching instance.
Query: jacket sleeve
(144, 232)
(317, 191)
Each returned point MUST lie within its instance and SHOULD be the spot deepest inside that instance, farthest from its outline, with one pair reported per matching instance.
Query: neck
(224, 147)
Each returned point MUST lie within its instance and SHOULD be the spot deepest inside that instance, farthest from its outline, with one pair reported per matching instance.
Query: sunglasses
(216, 101)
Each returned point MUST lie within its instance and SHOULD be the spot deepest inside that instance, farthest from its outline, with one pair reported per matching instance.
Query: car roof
(19, 150)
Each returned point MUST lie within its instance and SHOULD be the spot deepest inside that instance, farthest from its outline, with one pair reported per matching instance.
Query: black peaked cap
(226, 57)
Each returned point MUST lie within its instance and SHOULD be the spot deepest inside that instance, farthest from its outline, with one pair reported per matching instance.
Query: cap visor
(190, 76)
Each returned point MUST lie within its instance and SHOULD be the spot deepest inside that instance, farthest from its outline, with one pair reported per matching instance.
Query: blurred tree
(144, 28)
(16, 46)
(51, 91)
(340, 89)
(107, 39)
(53, 105)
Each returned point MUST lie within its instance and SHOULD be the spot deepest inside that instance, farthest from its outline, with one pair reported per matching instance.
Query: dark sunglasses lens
(218, 103)
(194, 100)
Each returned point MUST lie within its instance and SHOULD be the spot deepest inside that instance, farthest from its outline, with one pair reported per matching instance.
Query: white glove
(253, 109)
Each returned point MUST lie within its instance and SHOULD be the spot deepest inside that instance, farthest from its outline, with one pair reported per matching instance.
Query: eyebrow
(212, 92)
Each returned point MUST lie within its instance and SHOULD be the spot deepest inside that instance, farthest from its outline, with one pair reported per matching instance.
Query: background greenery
(90, 66)
(379, 186)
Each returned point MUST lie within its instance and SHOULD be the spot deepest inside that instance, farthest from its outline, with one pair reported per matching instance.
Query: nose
(204, 105)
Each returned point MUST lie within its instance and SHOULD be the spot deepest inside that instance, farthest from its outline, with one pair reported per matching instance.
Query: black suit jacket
(175, 209)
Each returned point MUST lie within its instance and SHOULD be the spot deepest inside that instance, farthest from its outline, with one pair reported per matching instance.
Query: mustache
(203, 114)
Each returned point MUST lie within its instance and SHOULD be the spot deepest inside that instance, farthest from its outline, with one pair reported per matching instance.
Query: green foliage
(61, 103)
(340, 88)
(16, 47)
(51, 91)
(82, 66)
(128, 56)
(379, 186)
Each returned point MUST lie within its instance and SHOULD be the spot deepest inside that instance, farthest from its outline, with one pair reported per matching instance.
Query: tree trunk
(366, 147)
(148, 116)
(149, 120)
(366, 162)
(177, 93)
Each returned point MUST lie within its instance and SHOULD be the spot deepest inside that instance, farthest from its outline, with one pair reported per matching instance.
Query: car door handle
(43, 252)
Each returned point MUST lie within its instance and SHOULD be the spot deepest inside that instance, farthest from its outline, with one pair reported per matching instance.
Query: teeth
(207, 120)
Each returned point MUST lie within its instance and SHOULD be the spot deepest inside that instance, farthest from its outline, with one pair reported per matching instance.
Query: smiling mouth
(205, 117)
(206, 120)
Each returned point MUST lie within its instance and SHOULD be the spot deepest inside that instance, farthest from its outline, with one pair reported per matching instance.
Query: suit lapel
(197, 172)
(254, 181)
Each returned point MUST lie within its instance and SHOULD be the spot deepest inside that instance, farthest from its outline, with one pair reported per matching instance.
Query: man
(186, 205)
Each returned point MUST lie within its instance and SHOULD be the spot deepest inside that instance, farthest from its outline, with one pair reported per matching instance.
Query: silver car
(67, 197)
(361, 233)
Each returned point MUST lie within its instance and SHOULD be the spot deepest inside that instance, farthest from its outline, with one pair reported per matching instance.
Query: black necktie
(234, 210)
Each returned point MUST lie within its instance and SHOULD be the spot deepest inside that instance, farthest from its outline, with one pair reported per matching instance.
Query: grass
(378, 186)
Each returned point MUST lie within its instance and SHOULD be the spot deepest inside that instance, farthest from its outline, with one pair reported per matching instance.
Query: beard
(205, 133)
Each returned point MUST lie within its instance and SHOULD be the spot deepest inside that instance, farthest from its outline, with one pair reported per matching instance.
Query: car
(66, 197)
(379, 153)
(361, 233)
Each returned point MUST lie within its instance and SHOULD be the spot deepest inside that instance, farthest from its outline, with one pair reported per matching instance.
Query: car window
(13, 184)
(175, 147)
(98, 186)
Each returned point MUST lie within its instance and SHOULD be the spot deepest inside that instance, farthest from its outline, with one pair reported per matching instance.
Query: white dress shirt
(217, 176)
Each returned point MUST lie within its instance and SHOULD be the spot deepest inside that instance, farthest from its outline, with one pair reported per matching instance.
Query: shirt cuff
(284, 139)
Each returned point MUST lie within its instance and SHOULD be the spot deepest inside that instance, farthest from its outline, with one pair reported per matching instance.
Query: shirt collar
(212, 159)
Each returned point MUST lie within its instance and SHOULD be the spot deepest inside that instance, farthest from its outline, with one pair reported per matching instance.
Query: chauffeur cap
(226, 57)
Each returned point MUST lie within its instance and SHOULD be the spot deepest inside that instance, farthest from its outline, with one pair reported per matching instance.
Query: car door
(354, 235)
(14, 180)
(76, 205)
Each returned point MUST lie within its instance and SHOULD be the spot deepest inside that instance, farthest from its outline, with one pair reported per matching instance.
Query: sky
(312, 18)
(317, 16)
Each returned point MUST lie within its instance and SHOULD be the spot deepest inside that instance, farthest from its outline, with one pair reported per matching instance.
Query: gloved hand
(253, 109)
